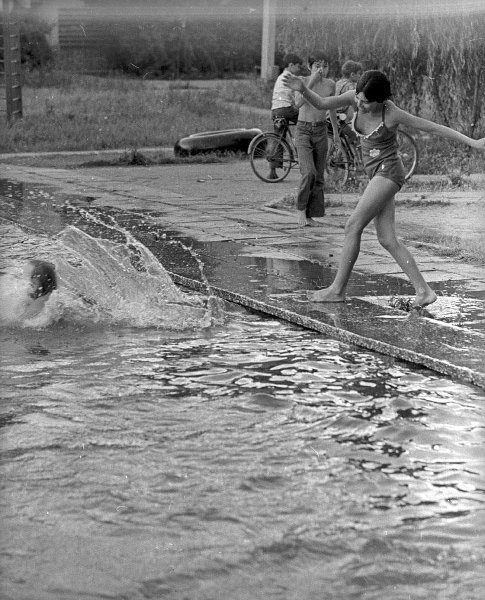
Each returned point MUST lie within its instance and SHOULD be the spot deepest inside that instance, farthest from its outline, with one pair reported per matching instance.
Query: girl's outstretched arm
(398, 116)
(329, 102)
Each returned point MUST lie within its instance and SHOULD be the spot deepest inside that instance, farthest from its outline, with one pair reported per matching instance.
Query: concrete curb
(259, 258)
(440, 366)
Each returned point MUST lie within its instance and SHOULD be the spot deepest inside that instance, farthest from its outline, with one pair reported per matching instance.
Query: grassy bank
(90, 113)
(66, 112)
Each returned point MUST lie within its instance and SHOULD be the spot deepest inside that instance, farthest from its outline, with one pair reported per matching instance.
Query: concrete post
(269, 39)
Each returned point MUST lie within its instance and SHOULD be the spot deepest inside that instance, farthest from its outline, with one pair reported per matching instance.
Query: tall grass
(253, 92)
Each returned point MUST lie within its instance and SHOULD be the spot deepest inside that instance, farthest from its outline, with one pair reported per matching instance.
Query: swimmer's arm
(397, 116)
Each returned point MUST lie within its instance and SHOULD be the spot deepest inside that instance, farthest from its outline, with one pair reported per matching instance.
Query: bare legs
(378, 192)
(376, 203)
(386, 234)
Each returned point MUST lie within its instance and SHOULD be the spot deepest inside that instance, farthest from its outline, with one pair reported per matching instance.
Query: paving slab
(211, 228)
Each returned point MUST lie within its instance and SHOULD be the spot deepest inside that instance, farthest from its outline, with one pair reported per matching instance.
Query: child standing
(311, 142)
(375, 122)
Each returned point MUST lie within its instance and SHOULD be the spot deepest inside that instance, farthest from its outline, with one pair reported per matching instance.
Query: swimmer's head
(43, 278)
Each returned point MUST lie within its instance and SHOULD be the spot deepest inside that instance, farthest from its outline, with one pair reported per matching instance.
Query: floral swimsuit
(379, 152)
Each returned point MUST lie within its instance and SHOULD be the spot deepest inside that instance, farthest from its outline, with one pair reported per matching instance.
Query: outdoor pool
(170, 448)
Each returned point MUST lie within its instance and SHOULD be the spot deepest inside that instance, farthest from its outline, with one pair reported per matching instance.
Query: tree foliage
(35, 50)
(180, 48)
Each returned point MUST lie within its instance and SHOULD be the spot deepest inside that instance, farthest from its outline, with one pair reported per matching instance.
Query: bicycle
(343, 162)
(276, 148)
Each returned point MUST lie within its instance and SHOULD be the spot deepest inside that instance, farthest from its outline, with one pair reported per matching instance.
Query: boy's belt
(311, 122)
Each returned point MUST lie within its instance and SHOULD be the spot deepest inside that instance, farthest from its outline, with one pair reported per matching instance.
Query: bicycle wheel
(270, 152)
(408, 151)
(337, 167)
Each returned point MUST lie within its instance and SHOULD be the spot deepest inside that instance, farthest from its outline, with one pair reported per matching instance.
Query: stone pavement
(212, 227)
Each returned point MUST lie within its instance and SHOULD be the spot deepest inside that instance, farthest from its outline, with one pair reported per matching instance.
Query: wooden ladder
(11, 72)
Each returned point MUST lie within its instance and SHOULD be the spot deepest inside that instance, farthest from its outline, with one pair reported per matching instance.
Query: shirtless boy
(312, 143)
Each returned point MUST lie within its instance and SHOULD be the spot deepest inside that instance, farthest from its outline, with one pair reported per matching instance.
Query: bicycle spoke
(337, 168)
(271, 158)
(408, 151)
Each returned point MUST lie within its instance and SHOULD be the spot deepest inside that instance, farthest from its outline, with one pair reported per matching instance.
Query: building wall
(48, 10)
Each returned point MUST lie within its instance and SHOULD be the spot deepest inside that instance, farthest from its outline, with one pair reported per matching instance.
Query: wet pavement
(212, 226)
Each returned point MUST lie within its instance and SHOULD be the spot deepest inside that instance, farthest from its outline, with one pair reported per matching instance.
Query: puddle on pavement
(46, 209)
(456, 310)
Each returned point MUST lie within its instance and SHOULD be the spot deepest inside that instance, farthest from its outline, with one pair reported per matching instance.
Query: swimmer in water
(24, 297)
(42, 276)
(43, 281)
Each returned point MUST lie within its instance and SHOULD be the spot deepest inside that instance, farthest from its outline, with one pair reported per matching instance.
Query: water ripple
(253, 460)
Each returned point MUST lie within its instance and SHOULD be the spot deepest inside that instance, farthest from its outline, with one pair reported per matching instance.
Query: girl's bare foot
(325, 295)
(312, 223)
(424, 299)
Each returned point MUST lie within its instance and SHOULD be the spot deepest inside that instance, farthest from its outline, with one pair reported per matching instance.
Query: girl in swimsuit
(376, 119)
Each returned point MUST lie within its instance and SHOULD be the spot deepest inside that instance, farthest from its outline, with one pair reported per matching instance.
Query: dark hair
(317, 57)
(43, 278)
(291, 58)
(375, 86)
(350, 66)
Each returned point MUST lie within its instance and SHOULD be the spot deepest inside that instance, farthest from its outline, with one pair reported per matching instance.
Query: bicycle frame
(278, 152)
(285, 135)
(273, 151)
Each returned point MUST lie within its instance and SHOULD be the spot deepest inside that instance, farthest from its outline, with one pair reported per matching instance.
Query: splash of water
(106, 221)
(100, 281)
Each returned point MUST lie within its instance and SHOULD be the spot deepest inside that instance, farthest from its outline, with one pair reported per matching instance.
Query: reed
(435, 63)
